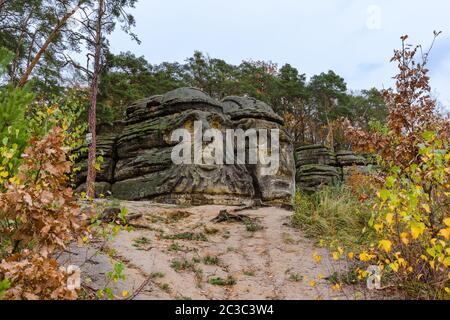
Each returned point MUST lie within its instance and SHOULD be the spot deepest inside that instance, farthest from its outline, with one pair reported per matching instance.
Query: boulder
(315, 154)
(145, 169)
(348, 158)
(312, 176)
(138, 163)
(248, 113)
(317, 166)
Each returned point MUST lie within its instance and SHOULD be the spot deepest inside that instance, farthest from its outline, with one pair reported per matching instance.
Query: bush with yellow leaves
(412, 221)
(411, 217)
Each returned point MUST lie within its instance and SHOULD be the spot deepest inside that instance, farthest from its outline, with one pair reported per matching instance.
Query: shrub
(38, 216)
(412, 214)
(34, 277)
(14, 132)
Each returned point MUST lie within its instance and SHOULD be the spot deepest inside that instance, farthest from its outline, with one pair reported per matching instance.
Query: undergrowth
(332, 214)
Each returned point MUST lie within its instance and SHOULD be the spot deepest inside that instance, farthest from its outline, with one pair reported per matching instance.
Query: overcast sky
(355, 38)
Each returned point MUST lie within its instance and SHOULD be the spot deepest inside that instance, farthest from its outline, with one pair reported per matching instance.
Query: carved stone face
(142, 163)
(249, 113)
(145, 171)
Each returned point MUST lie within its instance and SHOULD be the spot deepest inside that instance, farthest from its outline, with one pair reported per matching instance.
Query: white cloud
(314, 36)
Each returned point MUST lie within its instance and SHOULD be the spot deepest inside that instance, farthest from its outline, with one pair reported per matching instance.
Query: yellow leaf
(447, 222)
(365, 257)
(432, 264)
(125, 293)
(378, 227)
(404, 237)
(446, 262)
(445, 233)
(386, 245)
(312, 283)
(317, 258)
(336, 256)
(417, 229)
(337, 287)
(394, 267)
(9, 155)
(4, 174)
(426, 206)
(389, 218)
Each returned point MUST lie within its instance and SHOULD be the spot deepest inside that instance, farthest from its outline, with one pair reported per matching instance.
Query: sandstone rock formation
(317, 165)
(248, 113)
(137, 153)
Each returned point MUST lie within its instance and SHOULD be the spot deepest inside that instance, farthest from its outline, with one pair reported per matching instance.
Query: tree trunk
(23, 80)
(91, 176)
(2, 3)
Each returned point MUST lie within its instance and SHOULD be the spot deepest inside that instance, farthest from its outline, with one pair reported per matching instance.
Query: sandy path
(275, 262)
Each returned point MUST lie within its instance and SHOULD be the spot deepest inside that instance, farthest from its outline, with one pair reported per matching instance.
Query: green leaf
(390, 182)
(429, 136)
(384, 194)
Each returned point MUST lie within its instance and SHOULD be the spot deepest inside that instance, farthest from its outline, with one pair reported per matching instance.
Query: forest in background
(47, 40)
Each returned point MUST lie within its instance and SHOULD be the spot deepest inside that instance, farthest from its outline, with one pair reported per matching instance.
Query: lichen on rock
(138, 164)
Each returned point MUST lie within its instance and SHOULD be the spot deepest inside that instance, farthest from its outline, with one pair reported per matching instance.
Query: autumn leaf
(317, 258)
(445, 233)
(365, 257)
(386, 245)
(417, 229)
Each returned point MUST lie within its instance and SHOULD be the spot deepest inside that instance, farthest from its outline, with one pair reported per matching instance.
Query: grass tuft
(333, 214)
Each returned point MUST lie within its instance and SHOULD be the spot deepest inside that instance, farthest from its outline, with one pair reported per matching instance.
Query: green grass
(158, 275)
(252, 225)
(175, 247)
(295, 277)
(182, 265)
(141, 242)
(332, 214)
(189, 236)
(249, 273)
(164, 287)
(211, 260)
(230, 281)
(349, 277)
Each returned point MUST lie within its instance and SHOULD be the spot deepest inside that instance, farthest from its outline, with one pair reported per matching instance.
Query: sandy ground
(272, 262)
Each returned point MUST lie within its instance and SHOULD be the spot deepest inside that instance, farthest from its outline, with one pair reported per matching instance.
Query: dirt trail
(184, 255)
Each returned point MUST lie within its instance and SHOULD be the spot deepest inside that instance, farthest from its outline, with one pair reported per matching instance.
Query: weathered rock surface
(248, 113)
(138, 163)
(317, 165)
(264, 263)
